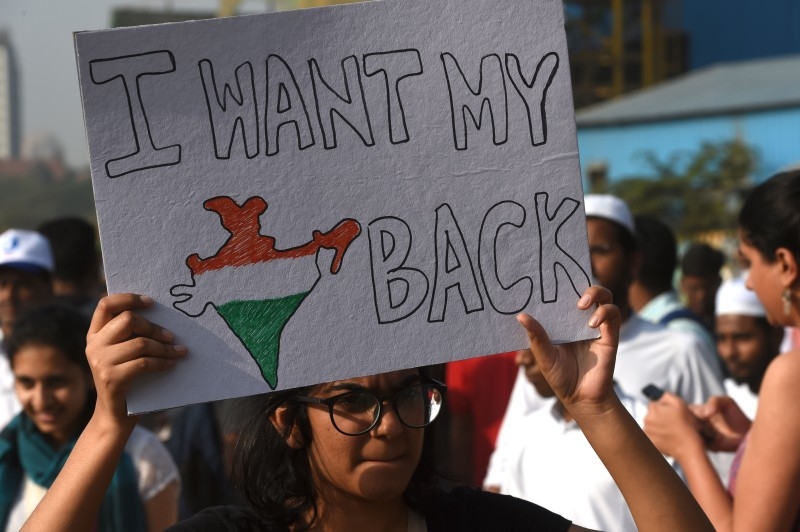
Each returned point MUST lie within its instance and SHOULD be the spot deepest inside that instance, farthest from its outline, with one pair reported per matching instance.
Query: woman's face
(376, 466)
(764, 279)
(53, 390)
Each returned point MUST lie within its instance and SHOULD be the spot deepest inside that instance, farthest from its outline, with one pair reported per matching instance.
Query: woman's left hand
(672, 427)
(580, 373)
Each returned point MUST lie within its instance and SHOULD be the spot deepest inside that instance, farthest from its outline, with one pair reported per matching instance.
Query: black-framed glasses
(353, 413)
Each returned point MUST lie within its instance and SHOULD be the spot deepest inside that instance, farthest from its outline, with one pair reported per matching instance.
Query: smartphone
(652, 392)
(707, 432)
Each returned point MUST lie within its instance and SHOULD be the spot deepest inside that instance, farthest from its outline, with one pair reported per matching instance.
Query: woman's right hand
(121, 345)
(727, 420)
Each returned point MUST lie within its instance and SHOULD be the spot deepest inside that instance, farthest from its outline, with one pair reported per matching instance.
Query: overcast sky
(41, 31)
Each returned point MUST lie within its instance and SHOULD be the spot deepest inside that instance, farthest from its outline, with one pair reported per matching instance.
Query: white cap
(734, 298)
(611, 208)
(25, 250)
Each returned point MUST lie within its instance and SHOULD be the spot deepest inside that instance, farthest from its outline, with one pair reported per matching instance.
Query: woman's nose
(389, 424)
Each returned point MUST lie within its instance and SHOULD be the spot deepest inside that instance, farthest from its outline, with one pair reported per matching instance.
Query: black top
(460, 510)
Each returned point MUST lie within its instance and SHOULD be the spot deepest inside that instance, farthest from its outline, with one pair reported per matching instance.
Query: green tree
(693, 192)
(27, 202)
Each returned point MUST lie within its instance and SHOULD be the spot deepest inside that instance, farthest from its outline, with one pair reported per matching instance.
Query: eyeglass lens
(415, 406)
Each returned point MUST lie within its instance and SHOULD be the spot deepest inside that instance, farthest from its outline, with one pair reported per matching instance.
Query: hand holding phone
(706, 430)
(652, 392)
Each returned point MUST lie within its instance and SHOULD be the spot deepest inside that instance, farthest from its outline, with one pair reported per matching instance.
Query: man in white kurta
(747, 342)
(552, 464)
(648, 353)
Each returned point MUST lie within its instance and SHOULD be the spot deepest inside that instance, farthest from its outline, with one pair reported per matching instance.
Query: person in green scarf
(54, 385)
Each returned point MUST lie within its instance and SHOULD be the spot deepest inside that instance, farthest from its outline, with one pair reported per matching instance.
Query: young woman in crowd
(353, 454)
(55, 388)
(764, 485)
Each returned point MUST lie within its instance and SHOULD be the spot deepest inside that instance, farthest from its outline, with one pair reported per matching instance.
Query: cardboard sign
(329, 193)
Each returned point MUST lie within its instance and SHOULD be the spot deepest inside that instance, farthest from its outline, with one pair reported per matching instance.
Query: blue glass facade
(735, 30)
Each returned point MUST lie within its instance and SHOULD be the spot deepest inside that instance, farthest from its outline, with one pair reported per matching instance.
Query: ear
(635, 263)
(280, 420)
(787, 263)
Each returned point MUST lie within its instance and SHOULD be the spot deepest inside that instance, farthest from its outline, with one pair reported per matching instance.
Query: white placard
(328, 193)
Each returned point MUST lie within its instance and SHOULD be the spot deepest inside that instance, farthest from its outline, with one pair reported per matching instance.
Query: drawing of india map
(254, 287)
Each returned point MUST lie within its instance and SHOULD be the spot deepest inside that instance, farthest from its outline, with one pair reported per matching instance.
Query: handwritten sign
(328, 193)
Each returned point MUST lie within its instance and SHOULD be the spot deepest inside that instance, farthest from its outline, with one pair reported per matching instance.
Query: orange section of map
(247, 245)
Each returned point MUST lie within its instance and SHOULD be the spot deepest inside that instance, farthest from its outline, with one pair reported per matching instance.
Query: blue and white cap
(25, 250)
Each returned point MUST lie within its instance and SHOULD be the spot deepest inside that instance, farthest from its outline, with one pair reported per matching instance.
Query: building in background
(10, 104)
(756, 102)
(123, 17)
(616, 46)
(737, 30)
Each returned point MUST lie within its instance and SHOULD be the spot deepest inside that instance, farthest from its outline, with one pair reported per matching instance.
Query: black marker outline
(436, 270)
(486, 100)
(282, 86)
(238, 122)
(393, 270)
(317, 73)
(370, 72)
(542, 104)
(171, 57)
(494, 258)
(556, 263)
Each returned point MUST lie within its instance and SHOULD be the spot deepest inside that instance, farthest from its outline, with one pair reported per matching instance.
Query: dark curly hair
(275, 479)
(656, 241)
(770, 217)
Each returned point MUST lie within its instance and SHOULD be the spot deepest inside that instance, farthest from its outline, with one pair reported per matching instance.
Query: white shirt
(553, 465)
(648, 353)
(155, 470)
(663, 304)
(746, 399)
(9, 404)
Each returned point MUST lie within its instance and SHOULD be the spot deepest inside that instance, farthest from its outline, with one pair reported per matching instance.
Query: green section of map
(259, 324)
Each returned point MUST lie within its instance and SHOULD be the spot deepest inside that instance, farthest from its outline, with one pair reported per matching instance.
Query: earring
(787, 301)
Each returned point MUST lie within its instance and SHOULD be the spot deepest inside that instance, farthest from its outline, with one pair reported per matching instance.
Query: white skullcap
(611, 208)
(734, 298)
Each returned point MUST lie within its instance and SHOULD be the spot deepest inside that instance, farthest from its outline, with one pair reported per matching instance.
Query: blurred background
(681, 105)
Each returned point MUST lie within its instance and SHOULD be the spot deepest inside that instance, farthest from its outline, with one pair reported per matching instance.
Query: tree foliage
(27, 202)
(693, 192)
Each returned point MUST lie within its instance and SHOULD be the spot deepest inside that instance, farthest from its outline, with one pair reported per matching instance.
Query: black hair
(702, 260)
(770, 217)
(275, 479)
(659, 254)
(74, 246)
(62, 328)
(55, 326)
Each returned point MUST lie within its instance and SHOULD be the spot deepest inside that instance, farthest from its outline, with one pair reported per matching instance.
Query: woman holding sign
(352, 454)
(764, 481)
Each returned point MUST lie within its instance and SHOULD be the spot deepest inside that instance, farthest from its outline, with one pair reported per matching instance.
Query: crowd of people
(687, 367)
